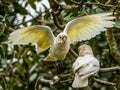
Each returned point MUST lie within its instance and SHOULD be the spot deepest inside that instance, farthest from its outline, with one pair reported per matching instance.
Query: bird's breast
(60, 50)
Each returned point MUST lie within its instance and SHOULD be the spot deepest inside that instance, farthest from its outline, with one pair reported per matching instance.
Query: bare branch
(44, 81)
(115, 88)
(77, 3)
(56, 10)
(109, 69)
(107, 2)
(63, 81)
(71, 75)
(73, 53)
(66, 75)
(104, 82)
(57, 23)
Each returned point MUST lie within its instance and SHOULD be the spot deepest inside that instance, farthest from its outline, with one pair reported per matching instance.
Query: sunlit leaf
(118, 1)
(99, 10)
(1, 16)
(2, 30)
(33, 68)
(117, 24)
(33, 77)
(11, 18)
(74, 11)
(82, 10)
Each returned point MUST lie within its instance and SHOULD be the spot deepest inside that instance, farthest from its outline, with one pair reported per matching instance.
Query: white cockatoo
(84, 66)
(82, 28)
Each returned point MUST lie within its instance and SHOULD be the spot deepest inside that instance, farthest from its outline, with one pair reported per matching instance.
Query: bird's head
(85, 50)
(62, 38)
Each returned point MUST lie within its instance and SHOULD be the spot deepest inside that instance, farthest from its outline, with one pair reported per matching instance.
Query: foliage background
(20, 66)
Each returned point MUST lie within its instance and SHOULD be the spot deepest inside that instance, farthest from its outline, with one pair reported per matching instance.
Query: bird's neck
(82, 55)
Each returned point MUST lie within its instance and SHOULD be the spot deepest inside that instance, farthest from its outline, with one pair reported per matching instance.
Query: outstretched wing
(41, 36)
(86, 27)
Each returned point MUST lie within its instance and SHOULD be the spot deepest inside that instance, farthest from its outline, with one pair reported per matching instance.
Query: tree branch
(71, 75)
(56, 21)
(109, 69)
(104, 82)
(45, 81)
(56, 10)
(113, 45)
(78, 4)
(73, 53)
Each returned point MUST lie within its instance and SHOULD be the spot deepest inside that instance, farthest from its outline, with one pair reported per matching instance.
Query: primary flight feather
(83, 28)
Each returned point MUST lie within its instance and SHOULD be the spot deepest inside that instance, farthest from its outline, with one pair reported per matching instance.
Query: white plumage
(84, 66)
(83, 28)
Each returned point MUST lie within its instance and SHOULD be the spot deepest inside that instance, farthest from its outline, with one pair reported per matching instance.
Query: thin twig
(73, 53)
(109, 69)
(78, 4)
(104, 82)
(66, 75)
(115, 88)
(66, 80)
(107, 2)
(45, 81)
(59, 10)
(113, 45)
(56, 21)
(35, 18)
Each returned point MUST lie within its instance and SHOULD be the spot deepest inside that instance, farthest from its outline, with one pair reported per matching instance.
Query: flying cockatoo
(82, 28)
(84, 66)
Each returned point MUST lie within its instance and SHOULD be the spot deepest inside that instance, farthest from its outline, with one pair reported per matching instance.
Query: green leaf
(82, 10)
(1, 16)
(99, 10)
(118, 1)
(32, 3)
(18, 8)
(10, 18)
(69, 18)
(33, 68)
(75, 12)
(2, 51)
(2, 30)
(117, 24)
(103, 88)
(33, 77)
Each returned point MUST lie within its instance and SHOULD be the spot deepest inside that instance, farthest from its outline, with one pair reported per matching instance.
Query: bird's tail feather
(79, 83)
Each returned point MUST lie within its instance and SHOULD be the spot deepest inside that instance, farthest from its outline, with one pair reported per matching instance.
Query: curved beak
(64, 39)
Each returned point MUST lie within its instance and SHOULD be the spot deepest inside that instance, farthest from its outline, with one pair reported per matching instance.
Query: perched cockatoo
(84, 66)
(83, 28)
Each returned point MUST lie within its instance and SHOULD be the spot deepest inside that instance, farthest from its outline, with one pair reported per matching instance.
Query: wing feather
(41, 36)
(87, 27)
